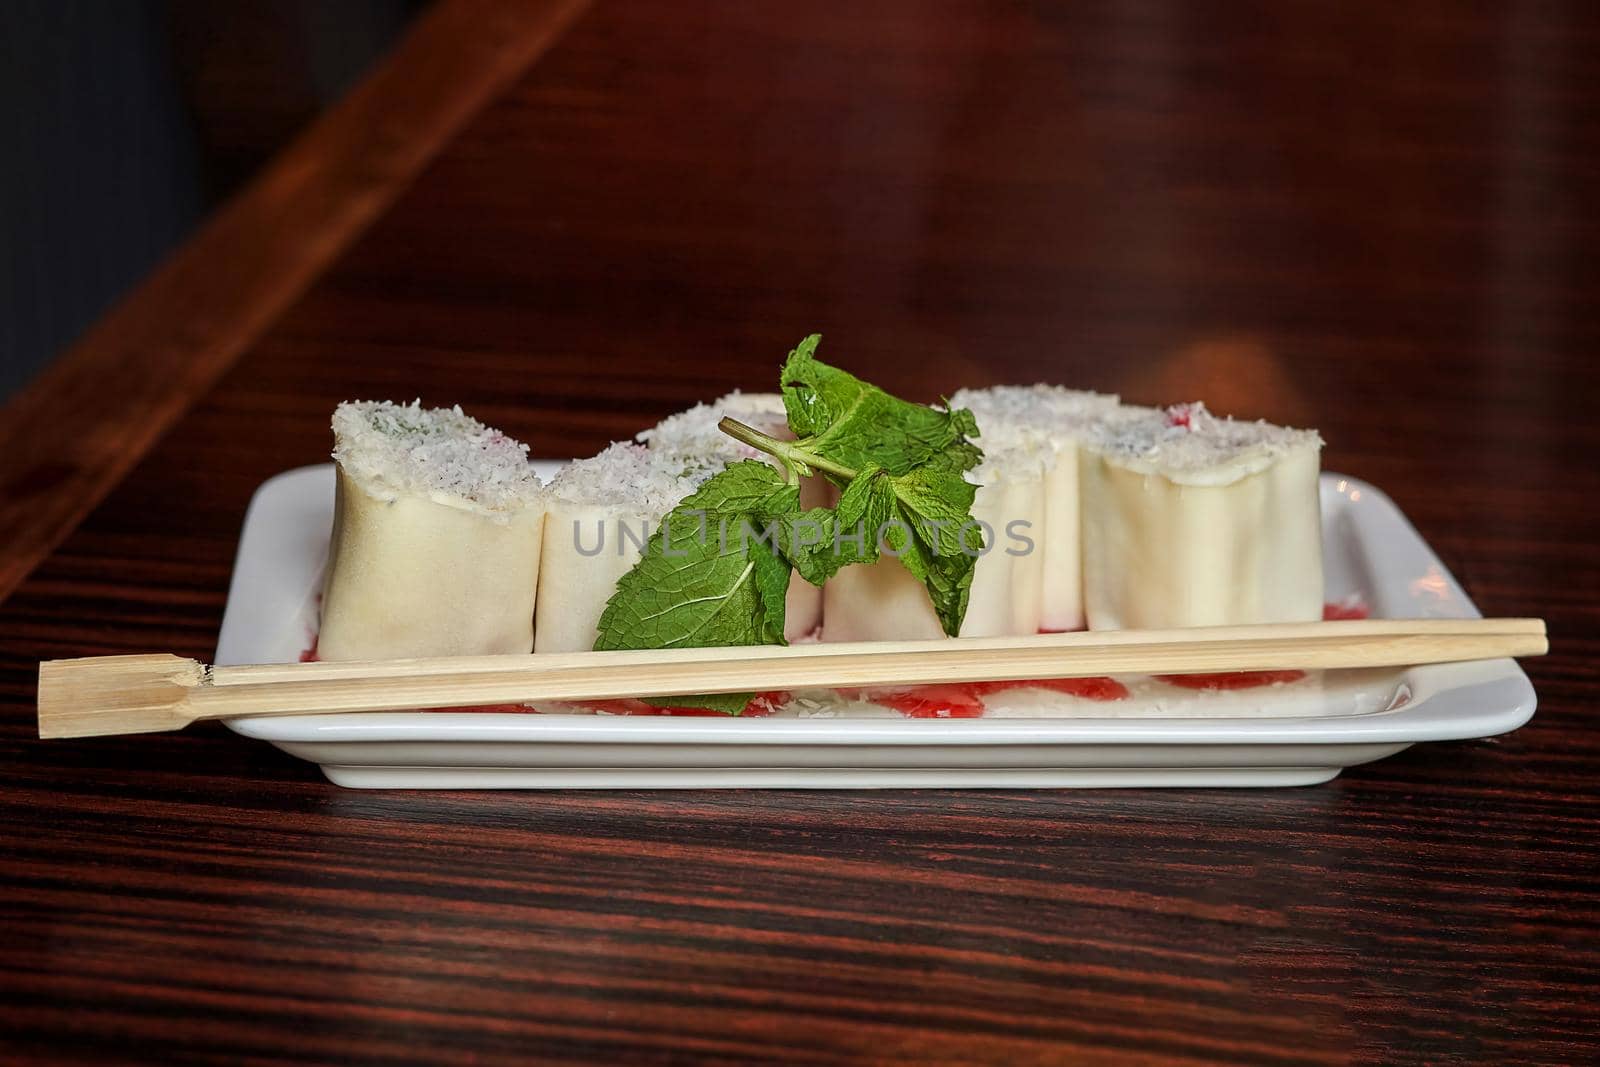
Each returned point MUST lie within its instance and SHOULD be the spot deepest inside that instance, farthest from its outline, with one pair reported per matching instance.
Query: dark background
(125, 121)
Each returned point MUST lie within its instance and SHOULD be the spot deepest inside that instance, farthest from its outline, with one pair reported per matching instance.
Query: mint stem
(788, 451)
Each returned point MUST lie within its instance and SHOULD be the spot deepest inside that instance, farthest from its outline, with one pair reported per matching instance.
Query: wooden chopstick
(139, 694)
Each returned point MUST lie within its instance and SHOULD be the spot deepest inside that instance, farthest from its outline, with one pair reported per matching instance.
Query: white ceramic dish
(1299, 734)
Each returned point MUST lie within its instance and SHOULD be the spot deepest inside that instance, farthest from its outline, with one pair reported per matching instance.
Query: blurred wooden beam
(153, 355)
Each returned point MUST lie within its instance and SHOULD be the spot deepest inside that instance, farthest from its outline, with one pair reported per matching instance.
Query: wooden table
(1374, 219)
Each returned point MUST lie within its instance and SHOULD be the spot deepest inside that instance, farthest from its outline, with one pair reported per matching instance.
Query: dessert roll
(1060, 417)
(602, 512)
(692, 437)
(1194, 520)
(882, 601)
(437, 528)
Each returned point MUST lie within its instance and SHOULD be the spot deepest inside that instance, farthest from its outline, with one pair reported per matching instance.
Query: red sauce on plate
(1087, 688)
(931, 701)
(1349, 608)
(966, 701)
(1231, 680)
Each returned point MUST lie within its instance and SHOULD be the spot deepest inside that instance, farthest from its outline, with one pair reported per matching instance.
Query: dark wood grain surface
(1374, 219)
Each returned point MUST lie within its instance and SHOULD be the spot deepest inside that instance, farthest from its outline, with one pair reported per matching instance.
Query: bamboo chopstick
(102, 695)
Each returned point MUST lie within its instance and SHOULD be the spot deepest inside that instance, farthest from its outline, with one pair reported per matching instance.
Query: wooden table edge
(73, 433)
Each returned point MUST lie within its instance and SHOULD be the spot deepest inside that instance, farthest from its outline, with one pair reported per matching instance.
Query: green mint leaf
(711, 575)
(838, 417)
(934, 503)
(825, 540)
(908, 463)
(922, 518)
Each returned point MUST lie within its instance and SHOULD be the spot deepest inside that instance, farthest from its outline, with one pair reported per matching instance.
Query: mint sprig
(923, 517)
(718, 569)
(710, 575)
(841, 418)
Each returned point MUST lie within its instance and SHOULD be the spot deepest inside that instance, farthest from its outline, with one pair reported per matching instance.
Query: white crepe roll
(1192, 520)
(1061, 417)
(882, 601)
(602, 511)
(437, 529)
(693, 438)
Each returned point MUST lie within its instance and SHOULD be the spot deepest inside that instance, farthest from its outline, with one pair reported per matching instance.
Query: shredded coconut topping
(1024, 423)
(694, 439)
(1052, 410)
(695, 434)
(628, 476)
(1187, 444)
(392, 449)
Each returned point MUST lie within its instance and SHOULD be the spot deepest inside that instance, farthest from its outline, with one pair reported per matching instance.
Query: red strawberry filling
(931, 701)
(1348, 608)
(1231, 680)
(966, 701)
(1087, 688)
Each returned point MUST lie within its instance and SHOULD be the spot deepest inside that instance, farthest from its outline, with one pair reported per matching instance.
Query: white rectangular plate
(1297, 734)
